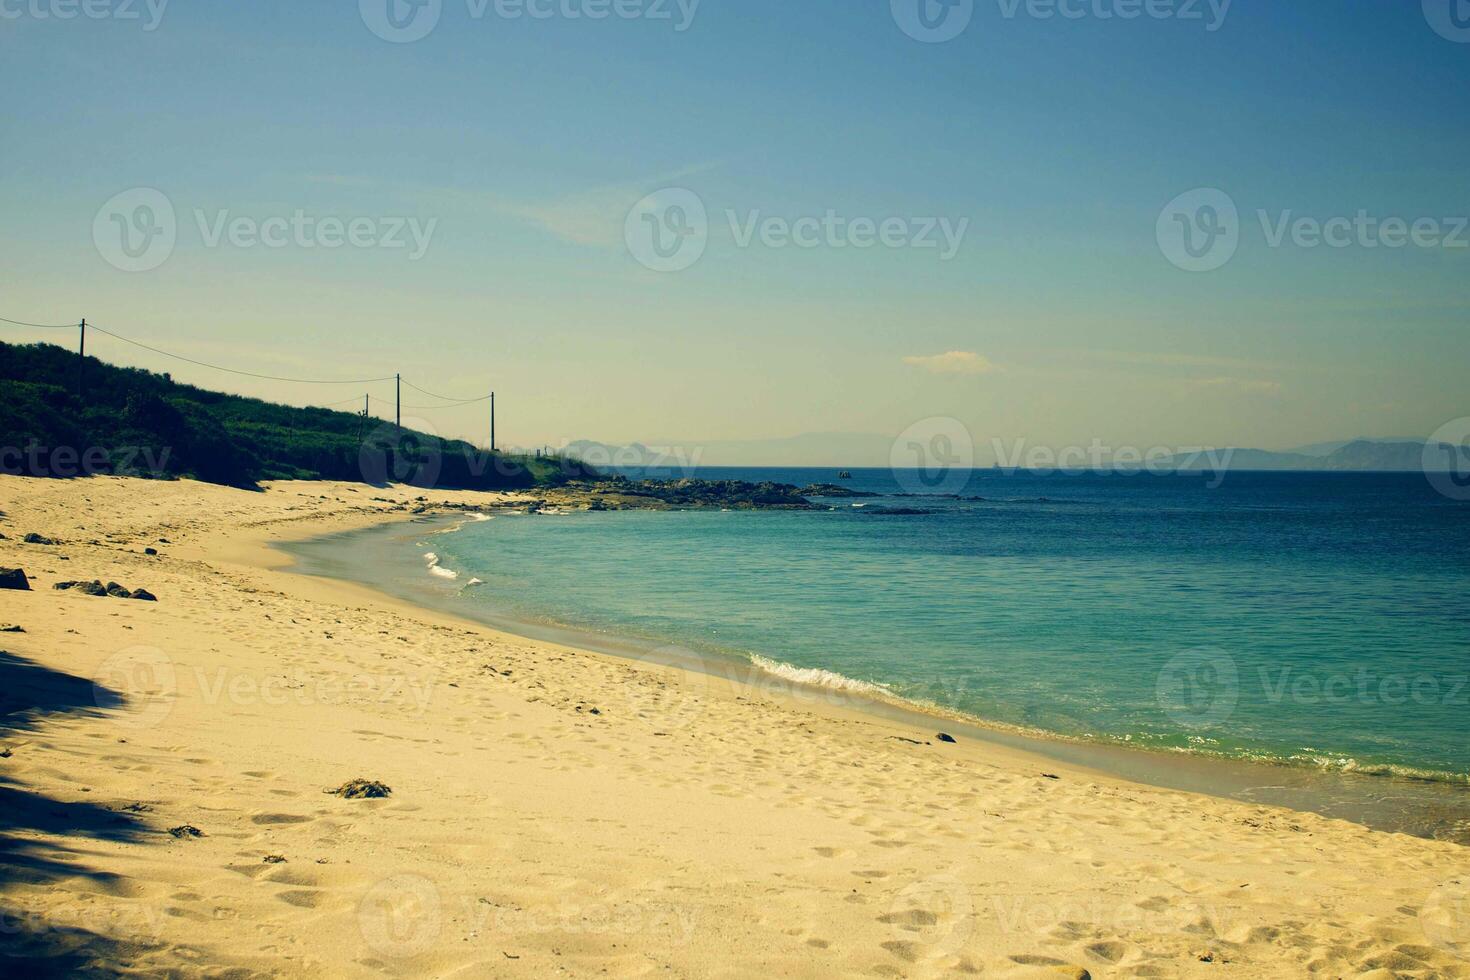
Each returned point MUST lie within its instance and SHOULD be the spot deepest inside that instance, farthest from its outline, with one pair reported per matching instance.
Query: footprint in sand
(277, 819)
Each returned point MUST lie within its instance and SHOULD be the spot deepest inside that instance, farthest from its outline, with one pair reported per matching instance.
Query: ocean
(1316, 621)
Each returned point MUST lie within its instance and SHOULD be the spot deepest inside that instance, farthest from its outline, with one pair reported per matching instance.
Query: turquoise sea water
(1312, 619)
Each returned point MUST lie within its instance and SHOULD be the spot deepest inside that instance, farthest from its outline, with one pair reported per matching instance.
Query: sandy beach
(167, 769)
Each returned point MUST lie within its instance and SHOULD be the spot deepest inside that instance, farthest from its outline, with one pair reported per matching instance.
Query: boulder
(143, 594)
(14, 578)
(117, 591)
(86, 588)
(34, 538)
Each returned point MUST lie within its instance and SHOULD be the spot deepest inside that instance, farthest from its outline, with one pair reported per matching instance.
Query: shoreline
(1385, 801)
(168, 770)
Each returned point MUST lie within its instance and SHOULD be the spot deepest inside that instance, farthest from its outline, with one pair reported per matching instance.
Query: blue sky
(527, 141)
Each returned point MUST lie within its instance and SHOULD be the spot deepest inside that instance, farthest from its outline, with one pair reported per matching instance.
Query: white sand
(687, 829)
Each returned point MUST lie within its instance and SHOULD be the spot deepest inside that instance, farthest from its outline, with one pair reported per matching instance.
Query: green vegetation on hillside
(138, 423)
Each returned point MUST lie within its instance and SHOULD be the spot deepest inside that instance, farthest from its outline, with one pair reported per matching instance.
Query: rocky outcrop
(686, 494)
(833, 490)
(112, 589)
(14, 579)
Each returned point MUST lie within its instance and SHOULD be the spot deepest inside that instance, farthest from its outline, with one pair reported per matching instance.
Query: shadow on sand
(30, 944)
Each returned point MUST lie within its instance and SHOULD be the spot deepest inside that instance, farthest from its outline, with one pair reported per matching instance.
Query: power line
(461, 401)
(427, 408)
(41, 326)
(449, 401)
(248, 374)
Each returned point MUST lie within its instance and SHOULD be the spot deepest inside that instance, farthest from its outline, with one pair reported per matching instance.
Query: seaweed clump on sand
(362, 789)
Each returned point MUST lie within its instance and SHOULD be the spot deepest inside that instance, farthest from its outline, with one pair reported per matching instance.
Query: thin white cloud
(952, 362)
(595, 217)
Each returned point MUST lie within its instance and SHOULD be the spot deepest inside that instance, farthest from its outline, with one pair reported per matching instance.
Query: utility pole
(492, 421)
(365, 410)
(398, 400)
(81, 356)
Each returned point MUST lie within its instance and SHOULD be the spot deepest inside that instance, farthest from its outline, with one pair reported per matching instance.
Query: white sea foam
(432, 559)
(474, 581)
(817, 677)
(481, 517)
(442, 572)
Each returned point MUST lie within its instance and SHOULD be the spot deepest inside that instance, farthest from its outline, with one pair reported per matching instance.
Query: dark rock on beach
(361, 789)
(34, 538)
(15, 579)
(944, 737)
(112, 589)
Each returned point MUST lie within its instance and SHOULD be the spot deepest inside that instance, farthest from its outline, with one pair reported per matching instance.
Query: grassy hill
(138, 423)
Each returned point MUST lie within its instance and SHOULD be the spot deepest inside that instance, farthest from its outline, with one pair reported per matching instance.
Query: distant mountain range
(860, 449)
(1360, 455)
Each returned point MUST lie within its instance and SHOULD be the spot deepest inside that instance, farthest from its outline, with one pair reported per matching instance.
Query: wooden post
(81, 356)
(398, 400)
(492, 421)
